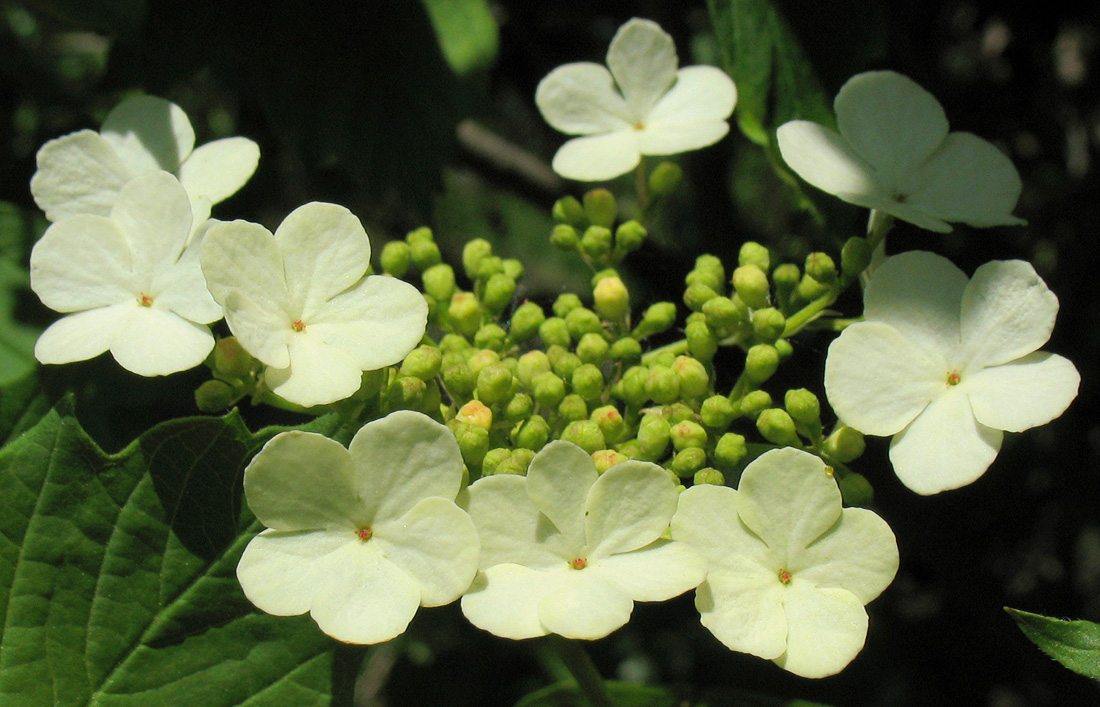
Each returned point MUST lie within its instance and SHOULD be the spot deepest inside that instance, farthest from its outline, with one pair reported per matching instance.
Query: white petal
(580, 99)
(318, 374)
(700, 94)
(1024, 393)
(181, 288)
(82, 262)
(149, 133)
(558, 482)
(599, 157)
(1007, 312)
(81, 336)
(668, 138)
(261, 327)
(510, 527)
(660, 571)
(377, 322)
(436, 543)
(219, 168)
(821, 157)
(154, 214)
(945, 447)
(890, 121)
(642, 58)
(743, 607)
(969, 180)
(706, 519)
(78, 174)
(325, 251)
(280, 572)
(504, 599)
(628, 507)
(401, 459)
(858, 554)
(585, 606)
(155, 342)
(303, 481)
(826, 630)
(878, 381)
(920, 294)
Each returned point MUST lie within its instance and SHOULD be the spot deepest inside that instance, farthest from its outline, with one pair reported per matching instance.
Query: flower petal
(890, 121)
(969, 180)
(659, 571)
(325, 251)
(821, 157)
(303, 481)
(706, 519)
(81, 336)
(858, 554)
(580, 99)
(154, 214)
(318, 374)
(510, 527)
(920, 294)
(156, 342)
(219, 168)
(436, 543)
(642, 58)
(1024, 393)
(701, 94)
(628, 507)
(181, 288)
(82, 262)
(149, 133)
(504, 599)
(78, 174)
(558, 482)
(944, 447)
(401, 459)
(786, 497)
(1007, 312)
(668, 138)
(826, 630)
(280, 572)
(585, 606)
(878, 380)
(598, 157)
(742, 605)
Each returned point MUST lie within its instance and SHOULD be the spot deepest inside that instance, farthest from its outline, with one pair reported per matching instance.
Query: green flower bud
(494, 384)
(566, 303)
(665, 179)
(631, 387)
(554, 331)
(565, 364)
(729, 451)
(513, 268)
(592, 348)
(395, 259)
(454, 342)
(761, 361)
(708, 271)
(844, 444)
(693, 377)
(752, 253)
(582, 321)
(709, 475)
(465, 313)
(215, 396)
(459, 379)
(784, 348)
(610, 422)
(654, 434)
(810, 289)
(855, 256)
(821, 267)
(487, 267)
(423, 362)
(803, 406)
(786, 278)
(659, 317)
(751, 284)
(612, 300)
(776, 426)
(768, 324)
(630, 449)
(855, 489)
(531, 365)
(565, 237)
(585, 434)
(532, 433)
(516, 462)
(717, 412)
(473, 441)
(629, 237)
(490, 336)
(406, 393)
(697, 295)
(687, 462)
(754, 402)
(568, 210)
(231, 361)
(439, 281)
(702, 343)
(600, 207)
(725, 313)
(661, 385)
(596, 242)
(555, 352)
(607, 458)
(424, 252)
(626, 350)
(549, 390)
(498, 293)
(420, 235)
(475, 413)
(573, 407)
(493, 459)
(480, 359)
(678, 412)
(473, 253)
(525, 322)
(687, 434)
(588, 381)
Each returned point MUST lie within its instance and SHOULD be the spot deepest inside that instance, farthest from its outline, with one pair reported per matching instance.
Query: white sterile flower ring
(566, 550)
(893, 152)
(83, 173)
(359, 537)
(299, 302)
(790, 569)
(655, 110)
(947, 364)
(129, 283)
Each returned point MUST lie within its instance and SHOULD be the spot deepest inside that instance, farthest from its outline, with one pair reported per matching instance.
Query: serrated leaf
(1074, 644)
(117, 574)
(466, 31)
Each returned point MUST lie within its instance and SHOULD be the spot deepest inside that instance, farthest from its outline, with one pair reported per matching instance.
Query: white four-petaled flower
(359, 537)
(129, 283)
(656, 109)
(790, 570)
(946, 364)
(299, 302)
(568, 551)
(894, 153)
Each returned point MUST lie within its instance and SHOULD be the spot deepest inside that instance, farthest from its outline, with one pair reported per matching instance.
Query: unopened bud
(565, 363)
(607, 458)
(494, 384)
(465, 313)
(810, 289)
(459, 379)
(406, 393)
(786, 278)
(423, 362)
(761, 362)
(776, 426)
(693, 377)
(709, 475)
(565, 303)
(395, 258)
(696, 296)
(665, 179)
(473, 253)
(754, 402)
(702, 342)
(582, 321)
(487, 267)
(768, 324)
(820, 266)
(585, 434)
(476, 413)
(530, 365)
(480, 359)
(653, 435)
(803, 406)
(730, 450)
(657, 318)
(631, 387)
(725, 313)
(687, 462)
(214, 396)
(549, 390)
(565, 237)
(610, 421)
(596, 242)
(661, 385)
(473, 441)
(588, 381)
(573, 407)
(600, 207)
(519, 407)
(554, 331)
(717, 412)
(231, 360)
(525, 322)
(752, 253)
(844, 444)
(593, 348)
(439, 281)
(629, 237)
(490, 336)
(532, 433)
(498, 293)
(751, 284)
(612, 300)
(423, 250)
(568, 210)
(855, 256)
(626, 350)
(687, 434)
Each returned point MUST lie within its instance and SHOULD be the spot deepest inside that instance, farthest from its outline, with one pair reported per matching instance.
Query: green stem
(807, 314)
(640, 186)
(580, 666)
(676, 347)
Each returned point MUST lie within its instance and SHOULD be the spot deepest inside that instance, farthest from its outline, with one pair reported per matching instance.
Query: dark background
(352, 102)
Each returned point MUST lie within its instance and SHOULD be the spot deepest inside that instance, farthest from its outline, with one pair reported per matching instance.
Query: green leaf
(16, 339)
(110, 17)
(622, 694)
(466, 31)
(117, 574)
(1074, 644)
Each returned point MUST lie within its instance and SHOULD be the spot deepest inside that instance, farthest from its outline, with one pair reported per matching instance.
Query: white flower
(359, 537)
(299, 302)
(945, 365)
(894, 153)
(790, 570)
(656, 109)
(83, 173)
(129, 282)
(568, 551)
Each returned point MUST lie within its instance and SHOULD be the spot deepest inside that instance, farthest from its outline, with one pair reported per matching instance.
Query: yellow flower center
(784, 576)
(578, 563)
(297, 325)
(145, 300)
(364, 533)
(953, 378)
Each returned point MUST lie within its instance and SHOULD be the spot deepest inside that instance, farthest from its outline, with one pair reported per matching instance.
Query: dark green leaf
(466, 31)
(1074, 644)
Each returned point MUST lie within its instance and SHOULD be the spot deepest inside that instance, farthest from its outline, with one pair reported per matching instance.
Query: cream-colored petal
(742, 605)
(706, 519)
(659, 571)
(318, 374)
(858, 554)
(558, 482)
(218, 169)
(826, 630)
(700, 94)
(821, 157)
(642, 58)
(79, 173)
(1024, 393)
(598, 158)
(504, 599)
(628, 507)
(1007, 312)
(154, 214)
(156, 342)
(920, 295)
(281, 572)
(585, 606)
(82, 262)
(81, 336)
(580, 99)
(325, 251)
(510, 527)
(149, 133)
